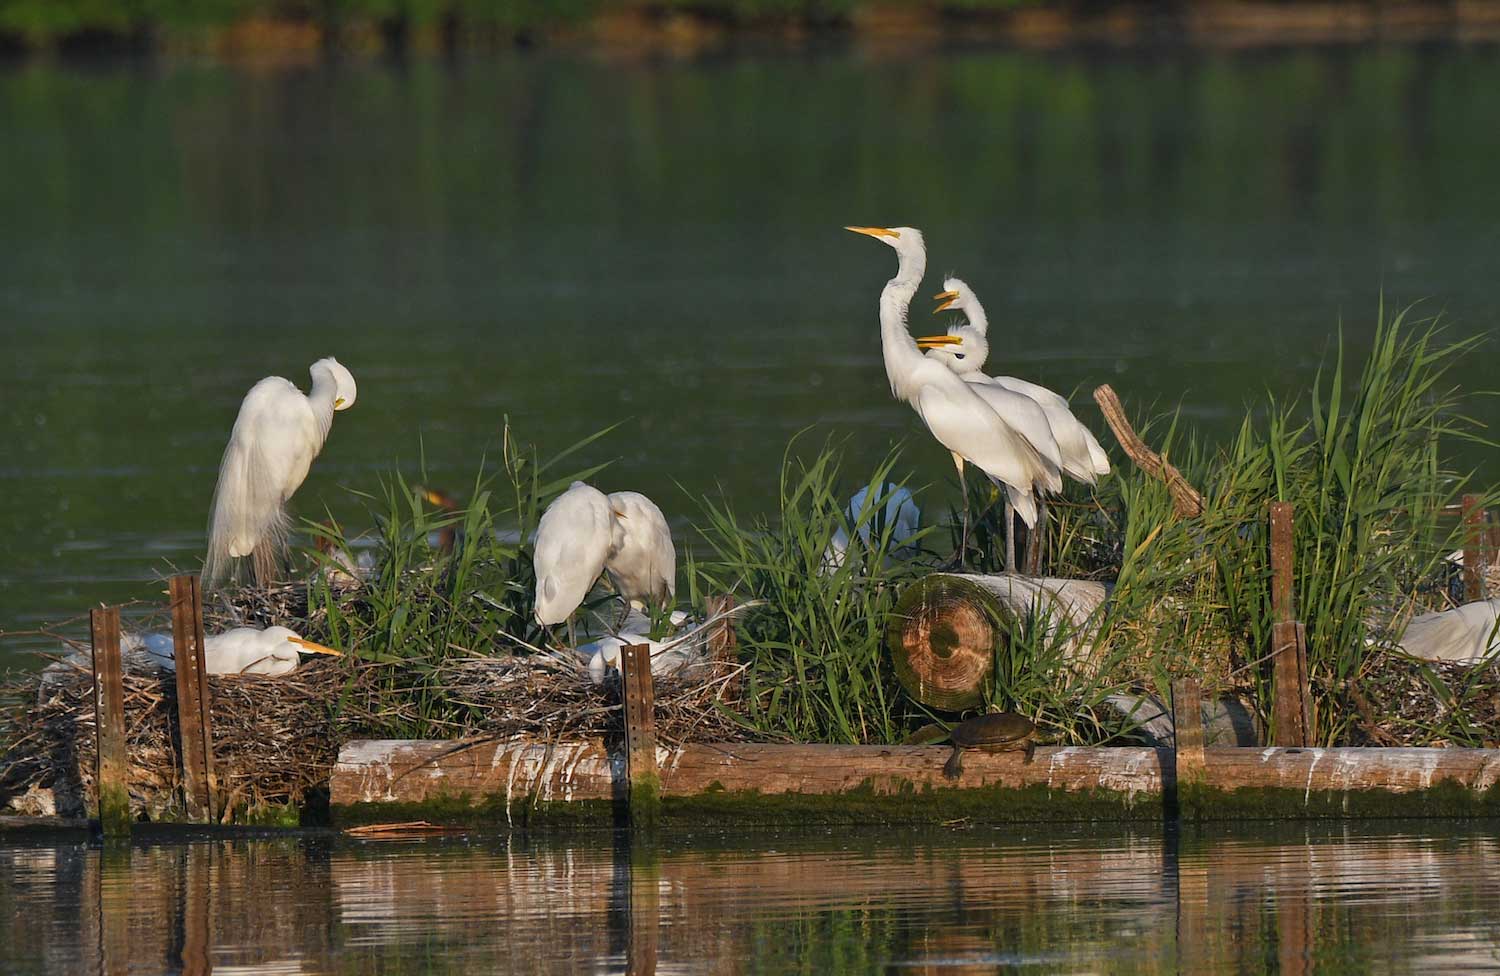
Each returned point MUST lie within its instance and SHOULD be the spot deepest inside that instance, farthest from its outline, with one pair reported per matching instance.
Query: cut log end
(942, 642)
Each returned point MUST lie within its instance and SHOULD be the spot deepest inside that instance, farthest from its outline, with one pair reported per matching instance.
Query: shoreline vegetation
(294, 30)
(443, 644)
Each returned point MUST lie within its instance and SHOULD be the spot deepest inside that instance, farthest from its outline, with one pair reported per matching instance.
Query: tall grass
(815, 646)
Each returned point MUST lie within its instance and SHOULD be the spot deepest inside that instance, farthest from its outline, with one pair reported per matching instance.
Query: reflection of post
(114, 909)
(645, 911)
(1293, 931)
(1191, 884)
(195, 911)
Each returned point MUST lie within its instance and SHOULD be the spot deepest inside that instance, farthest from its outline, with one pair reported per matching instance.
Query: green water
(1294, 899)
(572, 242)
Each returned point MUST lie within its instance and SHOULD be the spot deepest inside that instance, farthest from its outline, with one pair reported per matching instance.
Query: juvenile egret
(277, 434)
(965, 349)
(960, 420)
(585, 533)
(900, 514)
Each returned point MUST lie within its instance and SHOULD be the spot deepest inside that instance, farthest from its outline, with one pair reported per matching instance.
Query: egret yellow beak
(946, 297)
(308, 647)
(433, 498)
(938, 341)
(875, 231)
(619, 514)
(338, 402)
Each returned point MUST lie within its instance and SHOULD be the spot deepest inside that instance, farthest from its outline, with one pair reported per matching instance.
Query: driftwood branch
(1185, 498)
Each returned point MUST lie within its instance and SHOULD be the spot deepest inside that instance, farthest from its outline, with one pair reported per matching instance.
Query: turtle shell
(995, 729)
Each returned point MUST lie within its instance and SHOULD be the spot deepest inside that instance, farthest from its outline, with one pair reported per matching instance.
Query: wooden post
(1187, 732)
(109, 723)
(722, 640)
(1474, 554)
(640, 735)
(194, 726)
(1292, 713)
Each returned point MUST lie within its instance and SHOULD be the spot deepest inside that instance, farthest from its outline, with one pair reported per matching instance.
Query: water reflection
(1300, 900)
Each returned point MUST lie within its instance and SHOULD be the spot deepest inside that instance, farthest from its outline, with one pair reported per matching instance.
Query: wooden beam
(1291, 691)
(194, 725)
(109, 723)
(1474, 555)
(1283, 550)
(640, 734)
(524, 770)
(1187, 731)
(1186, 501)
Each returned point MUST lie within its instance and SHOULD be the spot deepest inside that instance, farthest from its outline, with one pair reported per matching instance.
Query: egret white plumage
(277, 434)
(956, 415)
(243, 650)
(966, 347)
(899, 514)
(585, 533)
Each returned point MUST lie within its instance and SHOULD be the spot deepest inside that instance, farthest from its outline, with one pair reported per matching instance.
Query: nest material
(276, 739)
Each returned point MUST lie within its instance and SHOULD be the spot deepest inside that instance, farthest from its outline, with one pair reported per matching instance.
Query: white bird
(1469, 634)
(900, 514)
(242, 650)
(667, 656)
(965, 349)
(960, 419)
(277, 434)
(585, 533)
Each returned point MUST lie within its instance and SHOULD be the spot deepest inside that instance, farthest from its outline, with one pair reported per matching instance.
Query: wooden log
(194, 725)
(1186, 501)
(1474, 555)
(640, 734)
(109, 723)
(1343, 769)
(945, 628)
(406, 770)
(1187, 731)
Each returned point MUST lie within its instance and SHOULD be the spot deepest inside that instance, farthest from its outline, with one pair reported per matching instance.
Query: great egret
(961, 420)
(965, 349)
(277, 434)
(242, 650)
(667, 655)
(900, 514)
(585, 533)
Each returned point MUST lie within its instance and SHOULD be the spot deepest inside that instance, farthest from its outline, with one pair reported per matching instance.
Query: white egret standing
(585, 533)
(956, 416)
(277, 434)
(966, 347)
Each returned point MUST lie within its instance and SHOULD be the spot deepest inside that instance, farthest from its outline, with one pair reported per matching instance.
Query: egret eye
(958, 355)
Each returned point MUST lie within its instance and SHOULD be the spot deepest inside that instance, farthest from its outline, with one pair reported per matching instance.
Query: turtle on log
(996, 732)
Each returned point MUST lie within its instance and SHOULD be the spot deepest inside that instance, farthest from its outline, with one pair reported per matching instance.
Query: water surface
(1369, 898)
(570, 242)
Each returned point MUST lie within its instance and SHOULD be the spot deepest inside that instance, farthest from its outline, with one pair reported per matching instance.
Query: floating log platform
(528, 782)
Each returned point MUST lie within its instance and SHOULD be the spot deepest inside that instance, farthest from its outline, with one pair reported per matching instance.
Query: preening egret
(584, 533)
(277, 434)
(966, 347)
(900, 514)
(954, 413)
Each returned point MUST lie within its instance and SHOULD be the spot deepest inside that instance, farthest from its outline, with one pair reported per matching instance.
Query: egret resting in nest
(1011, 443)
(964, 350)
(243, 650)
(584, 533)
(277, 434)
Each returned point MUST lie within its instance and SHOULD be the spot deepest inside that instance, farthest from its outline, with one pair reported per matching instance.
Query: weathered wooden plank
(1391, 770)
(1283, 598)
(374, 771)
(1291, 692)
(109, 723)
(1187, 730)
(194, 726)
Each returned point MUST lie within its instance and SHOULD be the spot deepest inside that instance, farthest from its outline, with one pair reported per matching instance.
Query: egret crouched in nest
(243, 650)
(667, 656)
(1013, 446)
(585, 533)
(277, 434)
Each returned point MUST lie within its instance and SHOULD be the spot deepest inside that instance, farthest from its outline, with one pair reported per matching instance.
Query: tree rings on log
(946, 629)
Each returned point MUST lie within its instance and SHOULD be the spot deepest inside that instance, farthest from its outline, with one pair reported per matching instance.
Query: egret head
(901, 238)
(962, 349)
(961, 298)
(344, 390)
(285, 643)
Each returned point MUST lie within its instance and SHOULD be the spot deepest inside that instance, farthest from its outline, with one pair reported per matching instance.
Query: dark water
(573, 242)
(1295, 899)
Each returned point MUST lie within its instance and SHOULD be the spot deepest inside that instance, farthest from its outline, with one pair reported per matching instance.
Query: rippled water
(572, 242)
(1368, 898)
